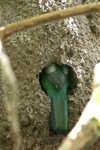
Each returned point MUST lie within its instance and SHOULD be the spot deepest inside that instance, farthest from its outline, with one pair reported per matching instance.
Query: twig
(10, 96)
(48, 17)
(1, 47)
(87, 130)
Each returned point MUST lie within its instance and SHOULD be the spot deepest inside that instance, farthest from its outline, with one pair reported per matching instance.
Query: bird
(54, 81)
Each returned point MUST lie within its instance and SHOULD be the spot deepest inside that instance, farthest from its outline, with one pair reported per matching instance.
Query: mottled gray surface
(74, 41)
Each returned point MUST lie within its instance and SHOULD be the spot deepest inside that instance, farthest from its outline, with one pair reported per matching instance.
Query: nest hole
(73, 80)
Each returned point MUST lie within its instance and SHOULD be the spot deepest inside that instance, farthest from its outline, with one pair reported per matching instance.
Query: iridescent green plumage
(54, 81)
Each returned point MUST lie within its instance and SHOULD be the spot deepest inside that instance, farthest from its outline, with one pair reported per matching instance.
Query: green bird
(54, 81)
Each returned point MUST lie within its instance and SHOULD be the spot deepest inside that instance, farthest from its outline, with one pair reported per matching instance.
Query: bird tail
(59, 116)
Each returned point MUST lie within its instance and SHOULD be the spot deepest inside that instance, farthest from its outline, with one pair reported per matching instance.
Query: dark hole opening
(73, 81)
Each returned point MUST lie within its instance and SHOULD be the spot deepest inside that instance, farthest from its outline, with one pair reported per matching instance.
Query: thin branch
(10, 97)
(48, 17)
(87, 130)
(1, 47)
